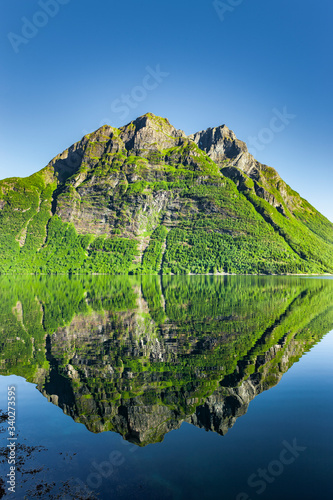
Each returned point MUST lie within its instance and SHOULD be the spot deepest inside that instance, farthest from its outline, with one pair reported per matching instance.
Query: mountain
(146, 198)
(140, 355)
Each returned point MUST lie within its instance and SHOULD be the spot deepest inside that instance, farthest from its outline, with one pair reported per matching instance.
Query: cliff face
(147, 198)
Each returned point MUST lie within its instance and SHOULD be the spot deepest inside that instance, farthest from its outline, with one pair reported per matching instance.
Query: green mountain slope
(146, 198)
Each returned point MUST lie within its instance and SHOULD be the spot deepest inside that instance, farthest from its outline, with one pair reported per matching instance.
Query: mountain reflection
(141, 355)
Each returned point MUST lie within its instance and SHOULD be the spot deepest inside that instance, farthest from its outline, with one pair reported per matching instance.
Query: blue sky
(68, 66)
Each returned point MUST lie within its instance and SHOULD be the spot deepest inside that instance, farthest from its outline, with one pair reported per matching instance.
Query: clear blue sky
(69, 66)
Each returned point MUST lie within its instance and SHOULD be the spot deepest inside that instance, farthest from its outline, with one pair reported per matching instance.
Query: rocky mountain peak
(231, 154)
(149, 132)
(220, 143)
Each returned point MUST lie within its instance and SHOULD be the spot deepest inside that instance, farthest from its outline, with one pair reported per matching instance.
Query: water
(195, 387)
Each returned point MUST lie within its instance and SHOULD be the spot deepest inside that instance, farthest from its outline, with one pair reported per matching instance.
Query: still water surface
(195, 387)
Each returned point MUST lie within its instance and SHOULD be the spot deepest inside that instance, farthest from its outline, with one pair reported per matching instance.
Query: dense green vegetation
(152, 257)
(161, 207)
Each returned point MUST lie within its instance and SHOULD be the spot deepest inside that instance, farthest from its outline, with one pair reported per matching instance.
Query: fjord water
(169, 387)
